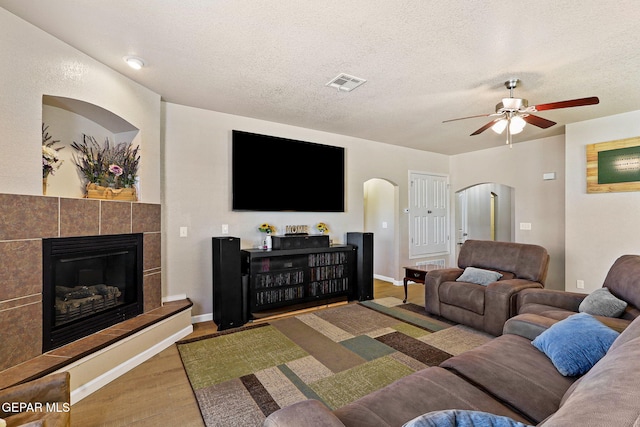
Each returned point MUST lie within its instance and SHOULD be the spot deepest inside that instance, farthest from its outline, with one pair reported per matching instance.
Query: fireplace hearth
(89, 284)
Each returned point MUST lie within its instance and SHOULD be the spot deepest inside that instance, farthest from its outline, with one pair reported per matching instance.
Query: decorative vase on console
(322, 228)
(268, 230)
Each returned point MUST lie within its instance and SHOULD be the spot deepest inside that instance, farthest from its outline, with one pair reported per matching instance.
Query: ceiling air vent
(345, 82)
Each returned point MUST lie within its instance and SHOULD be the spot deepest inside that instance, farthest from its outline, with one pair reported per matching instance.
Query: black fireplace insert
(89, 284)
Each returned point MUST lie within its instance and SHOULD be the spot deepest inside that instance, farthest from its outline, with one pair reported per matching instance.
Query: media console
(278, 278)
(250, 281)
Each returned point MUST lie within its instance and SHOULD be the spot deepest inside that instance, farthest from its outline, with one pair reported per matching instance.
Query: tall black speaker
(228, 297)
(364, 265)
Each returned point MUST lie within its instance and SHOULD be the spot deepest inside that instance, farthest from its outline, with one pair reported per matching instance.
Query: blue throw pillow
(479, 276)
(462, 418)
(576, 343)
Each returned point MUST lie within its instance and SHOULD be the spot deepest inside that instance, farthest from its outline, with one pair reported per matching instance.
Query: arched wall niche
(68, 120)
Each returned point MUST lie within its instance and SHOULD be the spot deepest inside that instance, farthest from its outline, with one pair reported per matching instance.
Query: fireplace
(89, 284)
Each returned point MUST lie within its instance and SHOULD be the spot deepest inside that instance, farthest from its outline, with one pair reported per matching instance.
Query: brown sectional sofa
(506, 376)
(486, 308)
(540, 308)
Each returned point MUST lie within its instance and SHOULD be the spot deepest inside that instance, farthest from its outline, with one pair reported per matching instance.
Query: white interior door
(429, 213)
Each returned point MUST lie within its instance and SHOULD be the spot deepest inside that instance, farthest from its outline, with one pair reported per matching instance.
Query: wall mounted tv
(278, 174)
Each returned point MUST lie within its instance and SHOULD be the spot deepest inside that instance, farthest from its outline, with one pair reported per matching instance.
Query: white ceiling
(425, 61)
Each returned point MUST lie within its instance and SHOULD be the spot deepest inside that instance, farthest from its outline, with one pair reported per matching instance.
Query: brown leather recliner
(486, 308)
(45, 401)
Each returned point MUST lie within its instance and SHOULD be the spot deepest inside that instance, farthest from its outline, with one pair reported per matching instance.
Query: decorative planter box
(95, 191)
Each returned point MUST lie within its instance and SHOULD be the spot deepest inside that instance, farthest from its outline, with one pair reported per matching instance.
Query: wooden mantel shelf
(60, 357)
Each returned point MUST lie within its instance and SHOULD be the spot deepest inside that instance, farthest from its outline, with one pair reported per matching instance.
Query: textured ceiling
(425, 61)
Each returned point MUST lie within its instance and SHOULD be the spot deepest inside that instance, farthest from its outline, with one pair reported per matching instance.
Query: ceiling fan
(513, 114)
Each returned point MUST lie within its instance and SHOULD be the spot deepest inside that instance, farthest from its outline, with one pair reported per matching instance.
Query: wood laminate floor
(158, 392)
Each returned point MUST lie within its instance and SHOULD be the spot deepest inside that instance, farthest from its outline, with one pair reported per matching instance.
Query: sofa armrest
(444, 274)
(528, 325)
(500, 302)
(305, 413)
(432, 282)
(560, 299)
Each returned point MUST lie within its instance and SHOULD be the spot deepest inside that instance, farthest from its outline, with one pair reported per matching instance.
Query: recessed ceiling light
(345, 82)
(134, 62)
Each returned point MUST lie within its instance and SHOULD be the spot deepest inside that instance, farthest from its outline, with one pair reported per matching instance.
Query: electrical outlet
(525, 226)
(183, 232)
(225, 228)
(580, 284)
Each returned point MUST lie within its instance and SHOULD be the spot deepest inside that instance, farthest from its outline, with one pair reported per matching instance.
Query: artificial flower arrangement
(108, 166)
(50, 160)
(267, 228)
(322, 227)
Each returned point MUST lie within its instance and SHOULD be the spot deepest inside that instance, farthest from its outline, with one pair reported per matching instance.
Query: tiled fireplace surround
(24, 222)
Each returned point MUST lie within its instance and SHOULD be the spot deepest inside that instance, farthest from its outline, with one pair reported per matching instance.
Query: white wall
(197, 150)
(34, 63)
(599, 227)
(538, 202)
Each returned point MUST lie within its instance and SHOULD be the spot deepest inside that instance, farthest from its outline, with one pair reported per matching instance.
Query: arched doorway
(485, 212)
(381, 219)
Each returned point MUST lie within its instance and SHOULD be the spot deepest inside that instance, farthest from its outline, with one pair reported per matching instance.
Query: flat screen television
(278, 174)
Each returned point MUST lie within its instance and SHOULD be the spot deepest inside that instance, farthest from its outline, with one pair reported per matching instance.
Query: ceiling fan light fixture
(514, 113)
(499, 126)
(516, 125)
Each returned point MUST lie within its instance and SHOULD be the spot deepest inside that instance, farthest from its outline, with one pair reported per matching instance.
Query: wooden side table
(416, 273)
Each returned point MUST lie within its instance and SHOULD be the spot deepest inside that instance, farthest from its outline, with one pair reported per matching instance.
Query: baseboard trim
(80, 392)
(208, 317)
(388, 279)
(178, 297)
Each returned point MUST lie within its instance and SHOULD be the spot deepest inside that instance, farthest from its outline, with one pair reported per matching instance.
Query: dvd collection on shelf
(327, 258)
(285, 279)
(325, 273)
(278, 295)
(328, 286)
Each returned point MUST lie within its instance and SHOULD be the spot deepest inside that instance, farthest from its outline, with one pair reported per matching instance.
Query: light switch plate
(183, 232)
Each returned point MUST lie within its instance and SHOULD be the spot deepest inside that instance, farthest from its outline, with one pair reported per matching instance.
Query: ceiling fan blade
(566, 104)
(464, 118)
(483, 128)
(538, 121)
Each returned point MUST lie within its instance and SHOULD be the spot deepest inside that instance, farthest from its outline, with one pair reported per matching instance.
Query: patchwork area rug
(335, 355)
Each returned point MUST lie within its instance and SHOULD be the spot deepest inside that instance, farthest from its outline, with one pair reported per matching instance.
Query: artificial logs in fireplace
(89, 283)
